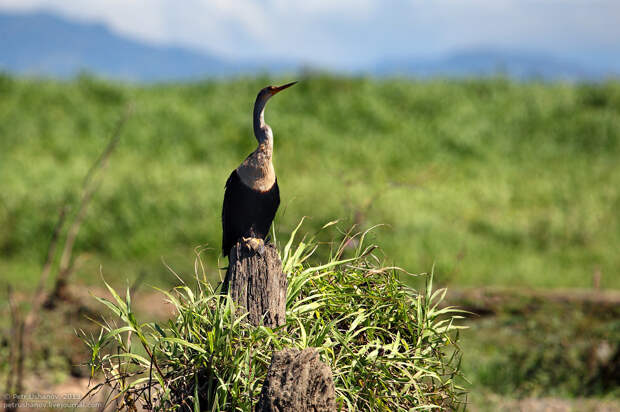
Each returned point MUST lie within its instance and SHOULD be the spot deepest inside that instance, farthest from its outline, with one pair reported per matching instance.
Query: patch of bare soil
(68, 395)
(496, 403)
(493, 300)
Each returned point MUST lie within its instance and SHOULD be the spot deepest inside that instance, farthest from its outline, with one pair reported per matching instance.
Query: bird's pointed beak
(279, 89)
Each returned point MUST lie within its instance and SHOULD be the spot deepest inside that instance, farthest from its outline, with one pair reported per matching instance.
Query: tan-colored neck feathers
(257, 170)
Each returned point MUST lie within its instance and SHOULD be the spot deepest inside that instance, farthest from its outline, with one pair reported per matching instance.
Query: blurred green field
(494, 182)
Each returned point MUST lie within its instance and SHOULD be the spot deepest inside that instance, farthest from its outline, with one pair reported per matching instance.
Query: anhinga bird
(252, 196)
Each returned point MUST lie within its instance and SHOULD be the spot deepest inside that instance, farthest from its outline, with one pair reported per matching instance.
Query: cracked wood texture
(297, 381)
(256, 283)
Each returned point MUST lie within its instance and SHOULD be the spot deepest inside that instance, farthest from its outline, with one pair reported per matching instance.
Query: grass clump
(390, 348)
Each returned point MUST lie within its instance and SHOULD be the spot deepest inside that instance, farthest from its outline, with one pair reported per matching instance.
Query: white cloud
(346, 32)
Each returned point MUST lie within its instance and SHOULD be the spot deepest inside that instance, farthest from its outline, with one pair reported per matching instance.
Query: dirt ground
(492, 403)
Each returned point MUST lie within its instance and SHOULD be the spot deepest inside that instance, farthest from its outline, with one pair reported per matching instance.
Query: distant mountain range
(43, 44)
(489, 61)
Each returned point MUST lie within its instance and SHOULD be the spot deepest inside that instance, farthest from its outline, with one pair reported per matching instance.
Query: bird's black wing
(272, 202)
(246, 212)
(227, 215)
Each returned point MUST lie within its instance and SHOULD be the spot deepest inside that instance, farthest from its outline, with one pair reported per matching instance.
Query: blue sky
(349, 33)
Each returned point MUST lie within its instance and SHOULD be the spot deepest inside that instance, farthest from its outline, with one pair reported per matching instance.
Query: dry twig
(89, 188)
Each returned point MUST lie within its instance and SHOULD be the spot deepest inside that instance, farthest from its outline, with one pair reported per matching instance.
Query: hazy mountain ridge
(44, 44)
(521, 64)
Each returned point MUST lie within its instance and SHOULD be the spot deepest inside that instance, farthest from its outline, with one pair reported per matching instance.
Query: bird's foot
(255, 244)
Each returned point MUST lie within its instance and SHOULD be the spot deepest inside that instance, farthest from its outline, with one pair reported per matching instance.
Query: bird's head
(266, 93)
(262, 131)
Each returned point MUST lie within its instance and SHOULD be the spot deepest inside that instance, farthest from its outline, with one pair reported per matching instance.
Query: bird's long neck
(257, 170)
(262, 131)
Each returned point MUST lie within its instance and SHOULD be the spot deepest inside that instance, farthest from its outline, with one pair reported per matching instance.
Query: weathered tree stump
(256, 283)
(297, 381)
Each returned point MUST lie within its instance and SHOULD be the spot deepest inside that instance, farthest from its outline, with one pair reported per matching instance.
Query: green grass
(389, 347)
(494, 182)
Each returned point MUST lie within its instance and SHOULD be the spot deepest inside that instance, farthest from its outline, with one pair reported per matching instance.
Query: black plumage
(246, 212)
